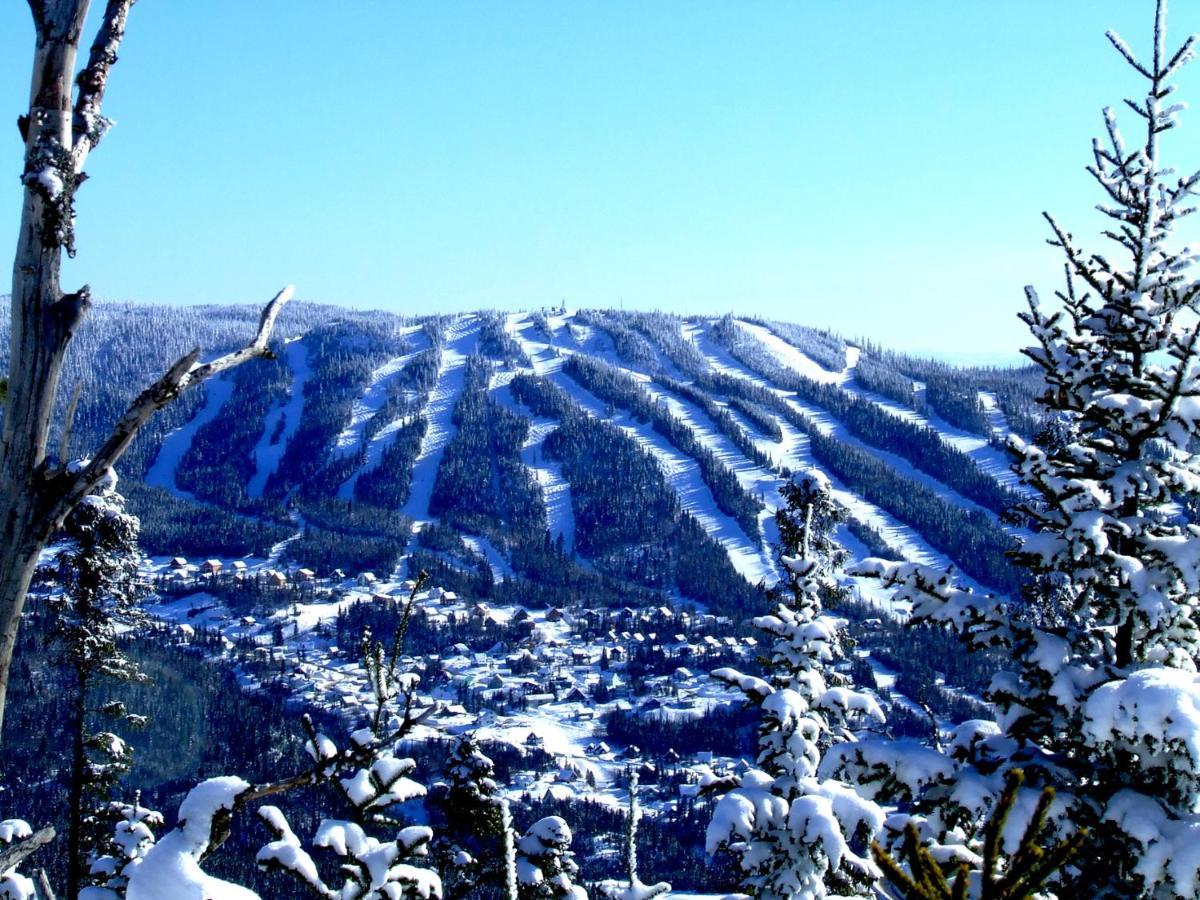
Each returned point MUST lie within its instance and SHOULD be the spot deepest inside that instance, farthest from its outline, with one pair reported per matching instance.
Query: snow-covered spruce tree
(1103, 699)
(793, 832)
(633, 889)
(545, 864)
(468, 820)
(94, 575)
(129, 840)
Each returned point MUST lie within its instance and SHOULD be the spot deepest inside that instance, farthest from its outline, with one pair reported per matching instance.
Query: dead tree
(63, 125)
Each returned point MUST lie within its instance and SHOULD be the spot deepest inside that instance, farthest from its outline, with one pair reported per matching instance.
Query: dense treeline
(496, 342)
(219, 463)
(407, 392)
(341, 361)
(884, 380)
(172, 526)
(953, 393)
(614, 387)
(482, 481)
(627, 519)
(969, 537)
(630, 346)
(721, 417)
(724, 730)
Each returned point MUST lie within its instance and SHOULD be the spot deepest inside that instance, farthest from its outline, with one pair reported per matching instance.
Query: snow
(556, 490)
(795, 453)
(501, 570)
(682, 474)
(462, 338)
(171, 869)
(271, 446)
(374, 395)
(14, 830)
(795, 359)
(1153, 708)
(177, 442)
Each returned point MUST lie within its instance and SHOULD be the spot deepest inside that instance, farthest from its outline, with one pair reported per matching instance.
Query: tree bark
(60, 130)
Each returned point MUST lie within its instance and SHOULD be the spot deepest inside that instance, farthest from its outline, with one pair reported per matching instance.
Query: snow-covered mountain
(613, 456)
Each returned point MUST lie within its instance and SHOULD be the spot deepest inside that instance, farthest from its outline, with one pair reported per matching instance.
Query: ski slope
(282, 420)
(177, 442)
(462, 339)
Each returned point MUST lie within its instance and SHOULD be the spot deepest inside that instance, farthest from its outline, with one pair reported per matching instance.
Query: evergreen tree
(468, 820)
(1102, 701)
(94, 570)
(130, 839)
(545, 864)
(793, 832)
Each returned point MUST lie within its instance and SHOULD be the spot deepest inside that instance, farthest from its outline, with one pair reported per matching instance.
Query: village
(550, 684)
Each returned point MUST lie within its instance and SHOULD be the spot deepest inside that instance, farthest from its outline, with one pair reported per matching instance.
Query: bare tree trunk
(62, 127)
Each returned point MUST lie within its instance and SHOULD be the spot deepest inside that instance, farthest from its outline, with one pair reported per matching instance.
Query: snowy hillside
(368, 414)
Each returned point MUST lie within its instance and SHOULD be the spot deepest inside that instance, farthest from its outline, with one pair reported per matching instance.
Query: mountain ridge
(360, 410)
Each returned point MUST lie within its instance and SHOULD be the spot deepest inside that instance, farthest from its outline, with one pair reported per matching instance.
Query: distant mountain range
(554, 455)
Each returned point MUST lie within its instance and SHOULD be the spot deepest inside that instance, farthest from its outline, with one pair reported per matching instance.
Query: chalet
(239, 568)
(539, 699)
(449, 598)
(179, 563)
(276, 579)
(554, 614)
(534, 741)
(303, 575)
(575, 695)
(380, 597)
(366, 579)
(212, 567)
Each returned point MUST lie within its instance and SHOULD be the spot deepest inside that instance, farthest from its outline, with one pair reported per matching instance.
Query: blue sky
(876, 167)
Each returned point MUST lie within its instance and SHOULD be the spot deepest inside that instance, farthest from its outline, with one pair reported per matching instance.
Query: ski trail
(462, 338)
(995, 415)
(374, 396)
(681, 472)
(795, 452)
(793, 357)
(501, 570)
(282, 421)
(176, 444)
(376, 447)
(556, 490)
(276, 552)
(988, 459)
